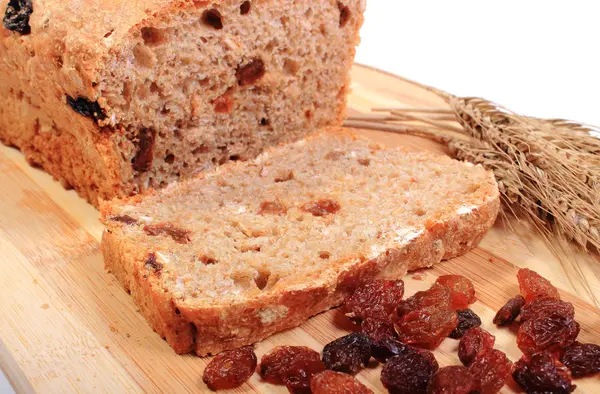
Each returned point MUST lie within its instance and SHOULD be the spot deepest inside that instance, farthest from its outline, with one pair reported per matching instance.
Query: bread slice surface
(252, 248)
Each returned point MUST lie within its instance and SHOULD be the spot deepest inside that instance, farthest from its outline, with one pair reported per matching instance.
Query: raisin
(377, 298)
(144, 156)
(542, 374)
(475, 342)
(331, 382)
(385, 348)
(245, 7)
(292, 366)
(408, 374)
(345, 14)
(348, 354)
(152, 264)
(16, 16)
(230, 369)
(582, 359)
(321, 207)
(510, 311)
(272, 208)
(124, 219)
(426, 327)
(438, 296)
(467, 319)
(179, 235)
(544, 306)
(462, 290)
(251, 72)
(490, 370)
(533, 285)
(378, 329)
(85, 107)
(551, 333)
(455, 379)
(223, 104)
(213, 19)
(207, 260)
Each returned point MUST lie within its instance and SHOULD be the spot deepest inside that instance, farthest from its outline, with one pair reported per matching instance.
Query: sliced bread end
(396, 211)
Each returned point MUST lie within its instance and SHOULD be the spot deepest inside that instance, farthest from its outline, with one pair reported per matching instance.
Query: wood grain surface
(68, 326)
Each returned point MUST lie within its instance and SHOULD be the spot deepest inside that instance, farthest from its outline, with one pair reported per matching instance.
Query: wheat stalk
(549, 169)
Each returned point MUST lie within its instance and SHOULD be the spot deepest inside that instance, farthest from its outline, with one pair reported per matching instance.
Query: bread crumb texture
(113, 98)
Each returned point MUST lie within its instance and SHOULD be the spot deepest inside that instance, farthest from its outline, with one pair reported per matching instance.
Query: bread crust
(224, 327)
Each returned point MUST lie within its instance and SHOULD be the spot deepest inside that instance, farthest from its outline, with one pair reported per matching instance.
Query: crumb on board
(113, 329)
(419, 276)
(45, 306)
(106, 347)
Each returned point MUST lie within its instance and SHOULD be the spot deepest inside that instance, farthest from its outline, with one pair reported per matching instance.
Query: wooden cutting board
(68, 326)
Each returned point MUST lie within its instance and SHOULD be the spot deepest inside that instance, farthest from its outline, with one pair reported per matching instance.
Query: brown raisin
(490, 370)
(223, 104)
(533, 285)
(213, 19)
(272, 208)
(332, 382)
(152, 264)
(474, 342)
(345, 13)
(87, 108)
(251, 72)
(376, 298)
(551, 333)
(144, 156)
(582, 359)
(467, 319)
(377, 329)
(438, 296)
(230, 369)
(426, 327)
(245, 7)
(384, 348)
(541, 373)
(510, 311)
(462, 291)
(321, 207)
(454, 379)
(126, 219)
(408, 373)
(16, 16)
(292, 366)
(179, 235)
(348, 354)
(544, 306)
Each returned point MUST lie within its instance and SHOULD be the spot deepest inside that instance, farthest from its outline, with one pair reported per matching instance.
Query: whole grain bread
(239, 253)
(114, 97)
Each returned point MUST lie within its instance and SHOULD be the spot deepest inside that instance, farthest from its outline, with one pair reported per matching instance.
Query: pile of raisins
(397, 333)
(547, 335)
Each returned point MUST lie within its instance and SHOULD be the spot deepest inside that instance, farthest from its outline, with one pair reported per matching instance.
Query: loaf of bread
(114, 97)
(236, 254)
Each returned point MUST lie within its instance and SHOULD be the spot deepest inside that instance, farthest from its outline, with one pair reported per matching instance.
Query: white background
(540, 58)
(535, 57)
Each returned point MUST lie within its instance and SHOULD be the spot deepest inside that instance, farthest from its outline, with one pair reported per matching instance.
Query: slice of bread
(252, 248)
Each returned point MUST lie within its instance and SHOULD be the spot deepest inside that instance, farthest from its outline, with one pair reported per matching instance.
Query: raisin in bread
(113, 97)
(236, 254)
